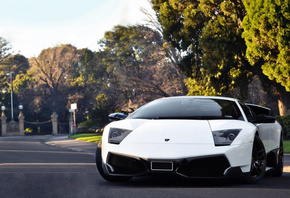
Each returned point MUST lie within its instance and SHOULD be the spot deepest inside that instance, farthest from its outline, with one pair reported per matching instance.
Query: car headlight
(225, 137)
(116, 135)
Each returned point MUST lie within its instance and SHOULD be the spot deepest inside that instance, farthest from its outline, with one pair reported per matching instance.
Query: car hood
(168, 131)
(170, 139)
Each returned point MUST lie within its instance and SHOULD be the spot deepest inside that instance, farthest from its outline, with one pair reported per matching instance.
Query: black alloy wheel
(258, 162)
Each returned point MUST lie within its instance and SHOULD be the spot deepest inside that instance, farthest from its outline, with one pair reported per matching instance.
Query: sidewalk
(62, 141)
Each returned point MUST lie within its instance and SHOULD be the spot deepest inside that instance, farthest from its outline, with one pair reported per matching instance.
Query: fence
(38, 128)
(24, 127)
(44, 128)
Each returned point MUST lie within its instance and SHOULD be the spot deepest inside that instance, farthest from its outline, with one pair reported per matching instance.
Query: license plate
(161, 166)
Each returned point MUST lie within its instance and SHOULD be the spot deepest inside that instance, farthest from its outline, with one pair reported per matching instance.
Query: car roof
(204, 97)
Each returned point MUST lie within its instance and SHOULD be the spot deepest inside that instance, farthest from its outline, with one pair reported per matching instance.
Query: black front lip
(216, 166)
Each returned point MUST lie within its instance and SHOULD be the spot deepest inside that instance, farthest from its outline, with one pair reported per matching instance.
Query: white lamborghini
(194, 137)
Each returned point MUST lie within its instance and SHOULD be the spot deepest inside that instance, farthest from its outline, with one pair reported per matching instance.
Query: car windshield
(188, 108)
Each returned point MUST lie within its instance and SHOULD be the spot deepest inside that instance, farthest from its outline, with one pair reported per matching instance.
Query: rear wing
(259, 110)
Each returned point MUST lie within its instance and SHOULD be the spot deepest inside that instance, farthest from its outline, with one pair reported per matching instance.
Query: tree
(5, 63)
(139, 68)
(18, 65)
(53, 70)
(267, 36)
(102, 108)
(209, 33)
(5, 49)
(89, 80)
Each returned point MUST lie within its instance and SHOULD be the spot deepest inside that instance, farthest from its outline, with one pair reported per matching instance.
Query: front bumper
(216, 166)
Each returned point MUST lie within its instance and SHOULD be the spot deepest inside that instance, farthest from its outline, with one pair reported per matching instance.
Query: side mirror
(263, 119)
(117, 116)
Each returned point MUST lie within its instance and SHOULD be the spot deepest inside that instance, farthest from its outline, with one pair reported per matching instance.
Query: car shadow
(173, 181)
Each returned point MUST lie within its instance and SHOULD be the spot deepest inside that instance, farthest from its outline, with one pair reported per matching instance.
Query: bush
(285, 123)
(87, 123)
(28, 131)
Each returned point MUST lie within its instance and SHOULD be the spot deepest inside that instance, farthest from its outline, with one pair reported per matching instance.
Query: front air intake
(204, 167)
(125, 165)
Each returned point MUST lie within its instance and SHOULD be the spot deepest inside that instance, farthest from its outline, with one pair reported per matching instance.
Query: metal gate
(38, 128)
(63, 128)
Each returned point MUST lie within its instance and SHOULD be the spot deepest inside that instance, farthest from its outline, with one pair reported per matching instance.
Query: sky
(33, 25)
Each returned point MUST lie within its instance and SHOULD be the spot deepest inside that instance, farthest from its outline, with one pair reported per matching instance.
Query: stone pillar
(71, 124)
(4, 124)
(54, 123)
(21, 123)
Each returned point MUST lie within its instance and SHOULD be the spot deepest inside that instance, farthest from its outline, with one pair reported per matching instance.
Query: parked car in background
(81, 129)
(194, 137)
(94, 129)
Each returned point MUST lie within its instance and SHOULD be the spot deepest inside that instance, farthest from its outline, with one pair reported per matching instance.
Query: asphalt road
(29, 168)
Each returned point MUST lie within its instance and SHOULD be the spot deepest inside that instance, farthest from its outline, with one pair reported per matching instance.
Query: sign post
(74, 108)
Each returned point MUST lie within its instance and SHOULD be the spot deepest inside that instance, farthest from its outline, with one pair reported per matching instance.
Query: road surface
(29, 168)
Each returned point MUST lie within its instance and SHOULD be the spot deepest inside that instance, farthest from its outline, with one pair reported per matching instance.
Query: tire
(258, 162)
(278, 169)
(100, 167)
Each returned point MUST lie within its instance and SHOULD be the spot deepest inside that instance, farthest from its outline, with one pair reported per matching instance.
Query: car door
(264, 129)
(272, 137)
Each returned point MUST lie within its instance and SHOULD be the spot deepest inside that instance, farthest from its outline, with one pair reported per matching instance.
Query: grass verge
(286, 146)
(95, 138)
(92, 137)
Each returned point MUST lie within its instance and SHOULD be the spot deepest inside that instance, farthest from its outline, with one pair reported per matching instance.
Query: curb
(286, 168)
(62, 141)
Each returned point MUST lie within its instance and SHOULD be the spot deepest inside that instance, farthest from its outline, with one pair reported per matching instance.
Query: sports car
(194, 137)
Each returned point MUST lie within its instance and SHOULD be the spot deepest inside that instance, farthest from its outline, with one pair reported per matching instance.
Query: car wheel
(100, 167)
(258, 162)
(278, 169)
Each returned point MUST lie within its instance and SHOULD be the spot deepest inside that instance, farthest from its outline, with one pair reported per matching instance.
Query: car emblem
(167, 139)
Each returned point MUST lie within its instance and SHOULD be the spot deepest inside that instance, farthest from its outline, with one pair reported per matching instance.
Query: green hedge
(285, 123)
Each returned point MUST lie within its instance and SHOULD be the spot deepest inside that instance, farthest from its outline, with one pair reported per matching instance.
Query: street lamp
(87, 113)
(20, 109)
(10, 74)
(3, 109)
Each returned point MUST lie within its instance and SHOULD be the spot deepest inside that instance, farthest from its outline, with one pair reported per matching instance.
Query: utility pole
(11, 91)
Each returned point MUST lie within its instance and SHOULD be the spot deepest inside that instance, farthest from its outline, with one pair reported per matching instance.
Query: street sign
(73, 106)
